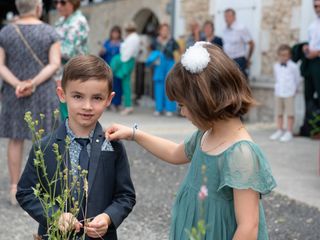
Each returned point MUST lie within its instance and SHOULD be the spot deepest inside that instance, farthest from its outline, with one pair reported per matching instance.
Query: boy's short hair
(85, 67)
(219, 92)
(284, 47)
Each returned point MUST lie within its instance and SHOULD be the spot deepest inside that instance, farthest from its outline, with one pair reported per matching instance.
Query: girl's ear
(61, 94)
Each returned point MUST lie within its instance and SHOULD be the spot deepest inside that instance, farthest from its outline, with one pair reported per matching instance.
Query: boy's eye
(180, 105)
(98, 98)
(76, 96)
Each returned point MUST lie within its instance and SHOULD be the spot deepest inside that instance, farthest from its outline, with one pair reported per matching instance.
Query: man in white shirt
(312, 52)
(237, 41)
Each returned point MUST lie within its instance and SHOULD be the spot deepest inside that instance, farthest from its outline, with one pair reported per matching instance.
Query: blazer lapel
(96, 144)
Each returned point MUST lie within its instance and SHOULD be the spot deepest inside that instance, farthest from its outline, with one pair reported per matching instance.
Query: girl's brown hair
(219, 92)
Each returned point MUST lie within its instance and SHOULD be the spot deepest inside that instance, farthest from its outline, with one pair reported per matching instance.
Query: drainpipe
(171, 9)
(173, 17)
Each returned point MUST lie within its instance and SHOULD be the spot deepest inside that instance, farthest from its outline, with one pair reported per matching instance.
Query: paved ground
(294, 165)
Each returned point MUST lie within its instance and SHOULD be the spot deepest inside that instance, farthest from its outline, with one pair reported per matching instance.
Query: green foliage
(315, 124)
(45, 191)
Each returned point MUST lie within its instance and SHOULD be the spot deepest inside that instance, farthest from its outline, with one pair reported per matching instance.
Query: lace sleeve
(246, 168)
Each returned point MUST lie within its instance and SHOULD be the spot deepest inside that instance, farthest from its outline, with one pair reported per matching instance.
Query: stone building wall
(102, 16)
(278, 26)
(195, 10)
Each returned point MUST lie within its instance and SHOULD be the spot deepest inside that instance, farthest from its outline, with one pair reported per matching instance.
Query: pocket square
(106, 146)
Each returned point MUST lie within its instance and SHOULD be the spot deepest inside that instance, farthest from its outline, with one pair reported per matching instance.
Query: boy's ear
(112, 94)
(61, 94)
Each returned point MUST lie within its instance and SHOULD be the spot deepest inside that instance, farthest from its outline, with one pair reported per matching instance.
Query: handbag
(57, 74)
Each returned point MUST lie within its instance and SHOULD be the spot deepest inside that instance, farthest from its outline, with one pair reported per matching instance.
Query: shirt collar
(72, 135)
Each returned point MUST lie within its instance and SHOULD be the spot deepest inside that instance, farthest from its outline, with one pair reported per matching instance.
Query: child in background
(213, 94)
(287, 80)
(111, 48)
(163, 58)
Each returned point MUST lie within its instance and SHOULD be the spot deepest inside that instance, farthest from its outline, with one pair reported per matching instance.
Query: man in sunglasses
(312, 52)
(73, 29)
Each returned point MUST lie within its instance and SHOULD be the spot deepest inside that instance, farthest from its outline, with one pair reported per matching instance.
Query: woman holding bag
(29, 56)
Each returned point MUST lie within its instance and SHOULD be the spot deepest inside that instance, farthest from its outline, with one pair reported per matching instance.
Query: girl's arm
(246, 204)
(166, 150)
(51, 67)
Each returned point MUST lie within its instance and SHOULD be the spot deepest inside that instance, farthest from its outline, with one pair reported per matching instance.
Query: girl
(165, 48)
(212, 94)
(111, 48)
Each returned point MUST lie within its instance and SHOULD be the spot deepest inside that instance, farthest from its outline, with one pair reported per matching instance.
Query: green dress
(241, 166)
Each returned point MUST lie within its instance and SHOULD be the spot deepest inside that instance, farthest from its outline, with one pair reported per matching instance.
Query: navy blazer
(110, 186)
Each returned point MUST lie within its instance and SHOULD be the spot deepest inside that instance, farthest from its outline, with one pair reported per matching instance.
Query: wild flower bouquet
(56, 203)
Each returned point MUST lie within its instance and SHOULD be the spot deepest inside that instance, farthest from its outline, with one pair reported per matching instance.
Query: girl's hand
(118, 132)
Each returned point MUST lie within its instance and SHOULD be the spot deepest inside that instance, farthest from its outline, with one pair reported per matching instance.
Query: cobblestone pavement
(156, 183)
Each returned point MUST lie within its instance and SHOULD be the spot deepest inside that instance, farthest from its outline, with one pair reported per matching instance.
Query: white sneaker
(169, 114)
(156, 113)
(276, 135)
(286, 137)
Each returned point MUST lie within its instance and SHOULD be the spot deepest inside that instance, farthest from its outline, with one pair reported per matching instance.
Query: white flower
(196, 58)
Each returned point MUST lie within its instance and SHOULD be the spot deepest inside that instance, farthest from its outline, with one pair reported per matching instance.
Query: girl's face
(208, 31)
(115, 35)
(185, 112)
(164, 32)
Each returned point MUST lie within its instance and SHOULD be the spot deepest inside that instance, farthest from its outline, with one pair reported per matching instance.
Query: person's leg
(242, 63)
(170, 106)
(126, 89)
(117, 88)
(63, 111)
(158, 96)
(289, 110)
(290, 123)
(15, 150)
(308, 89)
(280, 122)
(279, 109)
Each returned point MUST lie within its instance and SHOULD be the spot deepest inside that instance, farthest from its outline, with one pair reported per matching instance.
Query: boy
(287, 79)
(87, 89)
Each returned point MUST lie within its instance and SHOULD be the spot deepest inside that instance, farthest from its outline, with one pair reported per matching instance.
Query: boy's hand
(68, 222)
(117, 131)
(98, 227)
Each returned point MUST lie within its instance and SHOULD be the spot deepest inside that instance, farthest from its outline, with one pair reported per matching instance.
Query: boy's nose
(87, 105)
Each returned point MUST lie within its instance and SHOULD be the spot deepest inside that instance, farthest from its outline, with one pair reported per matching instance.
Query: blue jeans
(242, 63)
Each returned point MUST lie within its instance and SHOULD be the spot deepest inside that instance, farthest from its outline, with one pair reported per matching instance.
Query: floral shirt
(74, 32)
(75, 148)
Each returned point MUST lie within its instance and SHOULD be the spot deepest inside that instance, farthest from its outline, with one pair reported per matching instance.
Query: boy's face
(284, 56)
(86, 102)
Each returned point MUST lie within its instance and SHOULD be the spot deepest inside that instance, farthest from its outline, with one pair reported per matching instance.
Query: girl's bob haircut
(219, 92)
